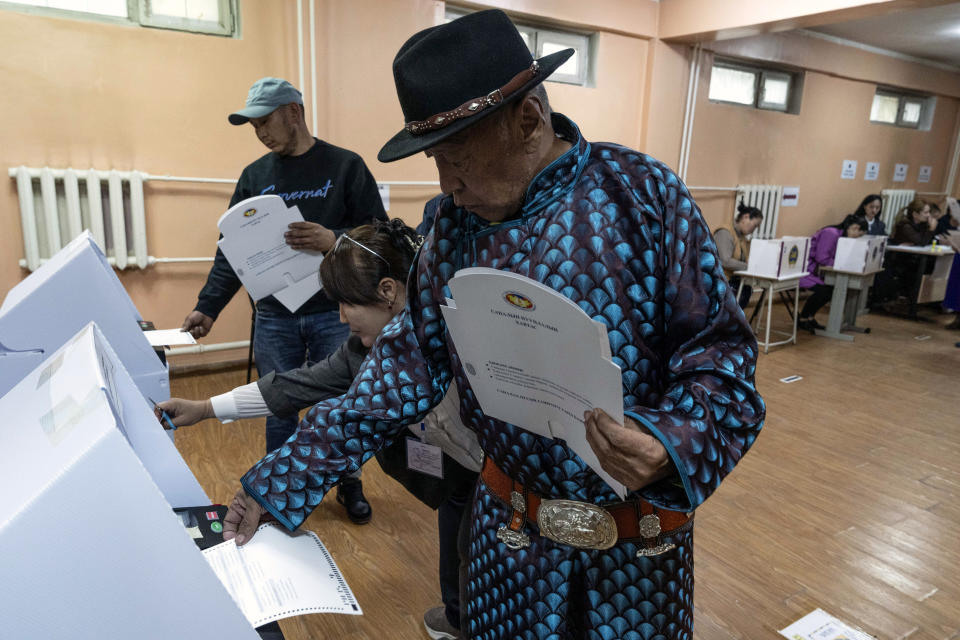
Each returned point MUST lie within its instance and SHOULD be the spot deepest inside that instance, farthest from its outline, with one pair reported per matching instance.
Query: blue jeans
(284, 341)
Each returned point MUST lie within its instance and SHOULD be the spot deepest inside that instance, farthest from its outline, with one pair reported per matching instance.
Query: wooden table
(849, 296)
(770, 285)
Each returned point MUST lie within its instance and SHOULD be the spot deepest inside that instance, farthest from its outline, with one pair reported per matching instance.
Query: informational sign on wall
(900, 172)
(924, 174)
(849, 170)
(791, 196)
(872, 171)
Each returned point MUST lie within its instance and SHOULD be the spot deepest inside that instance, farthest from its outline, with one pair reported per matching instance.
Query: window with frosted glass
(733, 85)
(217, 17)
(902, 109)
(574, 70)
(205, 16)
(775, 92)
(117, 8)
(885, 108)
(542, 42)
(911, 111)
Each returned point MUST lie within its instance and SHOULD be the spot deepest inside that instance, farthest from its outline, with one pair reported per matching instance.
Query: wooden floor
(848, 501)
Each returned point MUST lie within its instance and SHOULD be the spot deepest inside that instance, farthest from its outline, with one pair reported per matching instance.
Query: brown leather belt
(581, 524)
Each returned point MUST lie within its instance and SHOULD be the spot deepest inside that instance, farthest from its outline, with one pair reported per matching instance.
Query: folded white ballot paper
(533, 357)
(820, 625)
(266, 265)
(167, 337)
(277, 575)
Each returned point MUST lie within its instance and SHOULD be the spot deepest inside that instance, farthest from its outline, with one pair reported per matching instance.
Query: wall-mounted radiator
(57, 204)
(893, 201)
(765, 197)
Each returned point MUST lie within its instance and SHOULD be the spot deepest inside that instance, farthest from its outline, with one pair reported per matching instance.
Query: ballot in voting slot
(89, 545)
(860, 255)
(517, 339)
(779, 257)
(76, 286)
(254, 245)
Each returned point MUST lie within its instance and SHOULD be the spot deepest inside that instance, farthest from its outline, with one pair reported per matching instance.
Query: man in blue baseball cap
(335, 192)
(265, 96)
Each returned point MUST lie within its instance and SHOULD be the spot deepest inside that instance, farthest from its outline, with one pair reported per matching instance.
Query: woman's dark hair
(745, 210)
(853, 219)
(861, 210)
(352, 270)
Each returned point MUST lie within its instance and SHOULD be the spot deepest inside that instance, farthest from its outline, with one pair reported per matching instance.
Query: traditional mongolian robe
(618, 233)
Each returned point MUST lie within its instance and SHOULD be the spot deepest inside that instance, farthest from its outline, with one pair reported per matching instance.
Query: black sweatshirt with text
(330, 185)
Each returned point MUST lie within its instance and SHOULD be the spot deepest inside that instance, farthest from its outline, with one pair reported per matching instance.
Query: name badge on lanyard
(423, 457)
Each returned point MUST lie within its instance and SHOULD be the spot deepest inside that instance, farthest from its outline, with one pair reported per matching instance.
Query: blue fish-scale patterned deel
(548, 590)
(616, 232)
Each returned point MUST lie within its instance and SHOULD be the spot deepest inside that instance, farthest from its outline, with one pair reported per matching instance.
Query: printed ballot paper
(533, 357)
(277, 575)
(266, 265)
(820, 625)
(167, 337)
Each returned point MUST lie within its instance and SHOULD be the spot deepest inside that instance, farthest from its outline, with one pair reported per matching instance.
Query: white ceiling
(932, 34)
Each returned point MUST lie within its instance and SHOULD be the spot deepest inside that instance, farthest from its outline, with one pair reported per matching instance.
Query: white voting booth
(76, 286)
(779, 257)
(860, 255)
(89, 545)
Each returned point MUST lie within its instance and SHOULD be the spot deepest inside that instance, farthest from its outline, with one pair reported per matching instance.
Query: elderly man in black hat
(616, 232)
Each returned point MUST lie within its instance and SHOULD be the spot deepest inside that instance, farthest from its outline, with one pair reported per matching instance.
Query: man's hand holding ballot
(626, 451)
(309, 236)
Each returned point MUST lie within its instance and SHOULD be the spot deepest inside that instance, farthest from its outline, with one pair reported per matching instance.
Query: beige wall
(738, 145)
(87, 94)
(91, 94)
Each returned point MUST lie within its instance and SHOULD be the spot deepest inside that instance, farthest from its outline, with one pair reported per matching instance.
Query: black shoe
(809, 324)
(350, 495)
(955, 325)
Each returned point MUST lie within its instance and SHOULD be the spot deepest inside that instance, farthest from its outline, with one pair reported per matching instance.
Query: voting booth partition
(860, 255)
(89, 545)
(778, 257)
(75, 287)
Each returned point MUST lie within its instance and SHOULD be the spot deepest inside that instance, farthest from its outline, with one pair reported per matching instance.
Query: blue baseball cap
(264, 97)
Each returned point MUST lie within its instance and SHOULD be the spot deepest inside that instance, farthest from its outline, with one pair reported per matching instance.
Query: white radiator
(894, 200)
(57, 204)
(765, 197)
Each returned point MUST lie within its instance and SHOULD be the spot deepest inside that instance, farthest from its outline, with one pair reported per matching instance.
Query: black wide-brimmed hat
(451, 76)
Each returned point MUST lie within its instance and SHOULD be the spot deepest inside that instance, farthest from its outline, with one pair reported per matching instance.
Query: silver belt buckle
(513, 539)
(578, 524)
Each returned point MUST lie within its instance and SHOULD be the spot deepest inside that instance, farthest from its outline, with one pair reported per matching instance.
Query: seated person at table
(916, 227)
(734, 248)
(945, 222)
(869, 210)
(823, 250)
